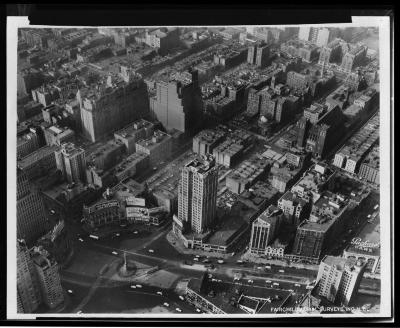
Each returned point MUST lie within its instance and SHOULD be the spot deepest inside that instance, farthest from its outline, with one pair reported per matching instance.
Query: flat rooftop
(131, 128)
(321, 226)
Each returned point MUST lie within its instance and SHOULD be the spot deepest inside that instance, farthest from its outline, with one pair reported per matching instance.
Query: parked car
(178, 310)
(166, 304)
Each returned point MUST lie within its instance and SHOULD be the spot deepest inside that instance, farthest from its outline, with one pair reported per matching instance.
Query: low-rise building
(158, 147)
(55, 135)
(130, 166)
(207, 140)
(134, 132)
(247, 174)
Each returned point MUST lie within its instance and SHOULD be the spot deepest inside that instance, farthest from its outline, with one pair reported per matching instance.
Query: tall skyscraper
(262, 56)
(304, 33)
(197, 200)
(177, 103)
(48, 277)
(322, 37)
(339, 278)
(71, 162)
(31, 221)
(258, 54)
(28, 289)
(112, 104)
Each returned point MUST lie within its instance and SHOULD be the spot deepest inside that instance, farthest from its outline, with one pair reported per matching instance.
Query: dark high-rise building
(177, 104)
(312, 238)
(258, 55)
(251, 54)
(262, 56)
(28, 289)
(302, 131)
(48, 277)
(31, 221)
(319, 129)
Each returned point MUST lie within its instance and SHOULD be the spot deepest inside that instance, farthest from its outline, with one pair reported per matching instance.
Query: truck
(94, 237)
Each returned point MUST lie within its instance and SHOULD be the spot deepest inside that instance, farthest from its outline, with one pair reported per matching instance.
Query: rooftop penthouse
(152, 142)
(328, 204)
(202, 165)
(131, 130)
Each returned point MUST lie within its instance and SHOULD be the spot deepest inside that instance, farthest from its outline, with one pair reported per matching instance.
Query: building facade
(339, 278)
(178, 105)
(71, 162)
(49, 277)
(113, 104)
(28, 289)
(198, 194)
(31, 220)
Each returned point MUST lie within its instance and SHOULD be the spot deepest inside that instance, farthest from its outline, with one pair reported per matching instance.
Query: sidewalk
(260, 260)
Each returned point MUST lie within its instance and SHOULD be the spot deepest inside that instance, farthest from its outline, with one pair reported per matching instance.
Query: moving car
(181, 297)
(70, 291)
(139, 286)
(166, 304)
(79, 312)
(151, 251)
(52, 211)
(268, 281)
(114, 253)
(178, 309)
(221, 261)
(250, 281)
(198, 310)
(282, 271)
(159, 293)
(133, 287)
(80, 239)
